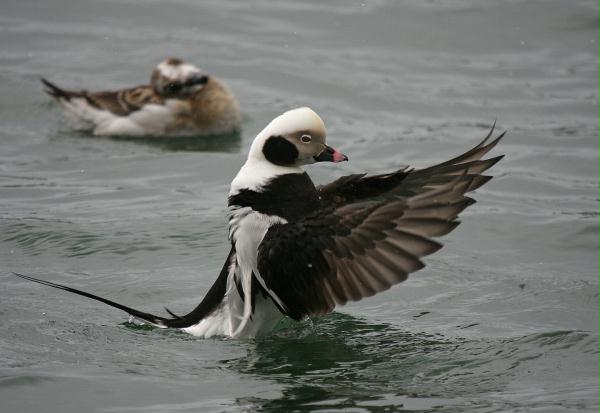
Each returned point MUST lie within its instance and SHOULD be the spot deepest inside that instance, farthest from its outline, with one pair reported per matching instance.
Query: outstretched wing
(406, 182)
(358, 245)
(119, 102)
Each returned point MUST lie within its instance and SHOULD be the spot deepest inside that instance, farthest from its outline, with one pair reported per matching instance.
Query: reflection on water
(339, 362)
(211, 143)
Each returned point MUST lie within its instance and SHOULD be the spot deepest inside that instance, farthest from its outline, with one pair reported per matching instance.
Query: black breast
(290, 196)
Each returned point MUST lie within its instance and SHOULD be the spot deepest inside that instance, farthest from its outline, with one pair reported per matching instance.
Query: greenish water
(503, 318)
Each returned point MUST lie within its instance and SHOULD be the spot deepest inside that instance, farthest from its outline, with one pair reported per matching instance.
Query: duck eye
(174, 87)
(305, 138)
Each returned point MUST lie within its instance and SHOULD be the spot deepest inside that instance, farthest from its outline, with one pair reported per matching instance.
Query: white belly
(228, 319)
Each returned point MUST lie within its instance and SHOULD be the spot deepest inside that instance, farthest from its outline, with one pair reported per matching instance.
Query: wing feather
(118, 102)
(370, 233)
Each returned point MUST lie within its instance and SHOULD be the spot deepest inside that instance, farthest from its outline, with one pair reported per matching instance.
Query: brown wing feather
(120, 102)
(124, 102)
(405, 182)
(372, 246)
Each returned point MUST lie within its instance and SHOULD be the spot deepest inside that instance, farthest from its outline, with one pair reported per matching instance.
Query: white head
(294, 138)
(174, 78)
(289, 141)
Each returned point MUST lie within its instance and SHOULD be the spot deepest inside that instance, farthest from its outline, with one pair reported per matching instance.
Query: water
(504, 318)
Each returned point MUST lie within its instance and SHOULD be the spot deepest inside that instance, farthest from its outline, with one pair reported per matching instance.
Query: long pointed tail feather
(56, 92)
(150, 318)
(209, 303)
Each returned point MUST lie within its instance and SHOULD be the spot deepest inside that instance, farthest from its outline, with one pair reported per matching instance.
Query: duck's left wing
(347, 253)
(118, 102)
(126, 101)
(406, 182)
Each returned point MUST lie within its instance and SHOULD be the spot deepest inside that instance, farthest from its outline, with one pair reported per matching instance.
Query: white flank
(80, 109)
(216, 324)
(247, 229)
(152, 119)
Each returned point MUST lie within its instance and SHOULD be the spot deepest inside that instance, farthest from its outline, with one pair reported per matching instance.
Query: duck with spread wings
(298, 250)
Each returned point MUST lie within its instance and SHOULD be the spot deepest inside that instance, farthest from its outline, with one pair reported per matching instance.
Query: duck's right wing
(355, 251)
(370, 238)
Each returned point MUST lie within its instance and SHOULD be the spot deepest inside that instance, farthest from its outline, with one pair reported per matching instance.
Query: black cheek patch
(280, 151)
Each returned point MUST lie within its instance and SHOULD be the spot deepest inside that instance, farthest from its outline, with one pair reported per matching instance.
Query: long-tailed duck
(180, 99)
(298, 250)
